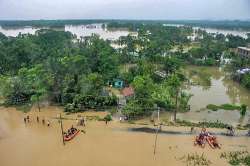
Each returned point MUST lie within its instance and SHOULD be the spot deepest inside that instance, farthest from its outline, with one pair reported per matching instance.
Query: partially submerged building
(244, 52)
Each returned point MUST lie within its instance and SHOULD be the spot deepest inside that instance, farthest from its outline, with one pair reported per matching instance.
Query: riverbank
(112, 144)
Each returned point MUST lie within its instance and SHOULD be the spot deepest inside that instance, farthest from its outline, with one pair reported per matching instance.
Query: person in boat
(209, 139)
(204, 131)
(212, 141)
(69, 132)
(201, 138)
(215, 142)
(66, 135)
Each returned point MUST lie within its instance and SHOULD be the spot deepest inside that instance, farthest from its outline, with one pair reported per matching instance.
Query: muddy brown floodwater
(34, 144)
(213, 86)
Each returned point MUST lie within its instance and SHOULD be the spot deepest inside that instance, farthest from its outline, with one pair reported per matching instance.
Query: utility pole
(62, 129)
(158, 111)
(176, 104)
(157, 130)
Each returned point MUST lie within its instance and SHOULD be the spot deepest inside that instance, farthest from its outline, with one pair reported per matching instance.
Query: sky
(125, 9)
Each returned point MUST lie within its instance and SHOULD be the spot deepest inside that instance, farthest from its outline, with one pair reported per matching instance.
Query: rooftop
(244, 48)
(128, 91)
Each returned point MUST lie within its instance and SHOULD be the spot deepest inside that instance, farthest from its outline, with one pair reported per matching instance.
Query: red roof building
(128, 91)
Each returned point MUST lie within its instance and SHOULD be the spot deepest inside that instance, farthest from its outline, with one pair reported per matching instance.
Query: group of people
(27, 120)
(70, 131)
(206, 137)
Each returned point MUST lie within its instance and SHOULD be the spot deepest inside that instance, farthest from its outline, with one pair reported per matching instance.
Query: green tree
(175, 83)
(38, 81)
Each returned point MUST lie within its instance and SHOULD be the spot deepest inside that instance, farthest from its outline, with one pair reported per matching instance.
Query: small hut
(116, 83)
(128, 92)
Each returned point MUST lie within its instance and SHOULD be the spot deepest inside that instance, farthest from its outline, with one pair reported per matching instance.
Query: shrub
(224, 107)
(212, 107)
(243, 110)
(230, 107)
(196, 159)
(107, 117)
(237, 157)
(81, 103)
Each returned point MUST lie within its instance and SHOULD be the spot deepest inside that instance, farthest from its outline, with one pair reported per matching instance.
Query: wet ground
(107, 145)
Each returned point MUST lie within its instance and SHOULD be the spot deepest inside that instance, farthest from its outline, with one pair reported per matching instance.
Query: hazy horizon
(125, 9)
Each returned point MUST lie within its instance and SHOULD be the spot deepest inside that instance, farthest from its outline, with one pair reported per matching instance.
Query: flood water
(83, 30)
(225, 32)
(210, 85)
(87, 30)
(14, 31)
(78, 30)
(106, 145)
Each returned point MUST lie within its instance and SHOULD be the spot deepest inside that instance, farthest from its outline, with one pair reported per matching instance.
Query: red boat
(70, 137)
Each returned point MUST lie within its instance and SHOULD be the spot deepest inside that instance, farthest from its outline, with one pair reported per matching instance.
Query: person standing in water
(48, 123)
(43, 121)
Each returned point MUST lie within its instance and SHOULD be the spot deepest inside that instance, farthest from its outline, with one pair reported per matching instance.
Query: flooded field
(83, 30)
(225, 32)
(241, 33)
(210, 85)
(78, 30)
(107, 145)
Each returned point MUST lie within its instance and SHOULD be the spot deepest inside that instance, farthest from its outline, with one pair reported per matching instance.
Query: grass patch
(196, 159)
(237, 157)
(230, 107)
(216, 124)
(212, 107)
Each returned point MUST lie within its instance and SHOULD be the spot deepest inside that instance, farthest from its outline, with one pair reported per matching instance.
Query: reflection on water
(210, 85)
(78, 30)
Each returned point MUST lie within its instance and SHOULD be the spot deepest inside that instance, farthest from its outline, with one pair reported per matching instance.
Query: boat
(68, 138)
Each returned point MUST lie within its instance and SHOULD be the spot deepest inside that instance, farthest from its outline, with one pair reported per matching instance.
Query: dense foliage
(56, 66)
